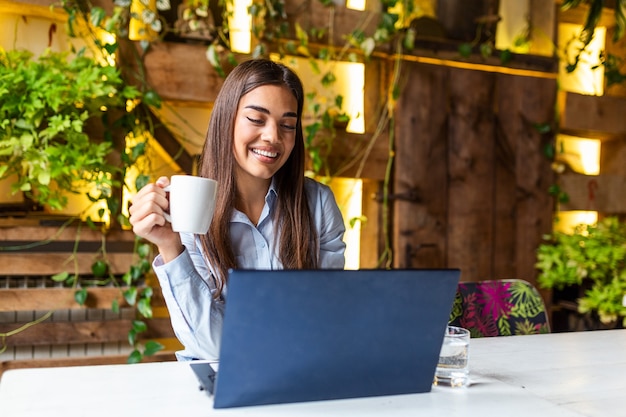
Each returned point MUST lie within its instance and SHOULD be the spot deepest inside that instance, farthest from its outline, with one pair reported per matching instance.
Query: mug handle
(167, 215)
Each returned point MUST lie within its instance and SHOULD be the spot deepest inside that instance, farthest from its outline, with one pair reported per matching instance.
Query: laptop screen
(306, 335)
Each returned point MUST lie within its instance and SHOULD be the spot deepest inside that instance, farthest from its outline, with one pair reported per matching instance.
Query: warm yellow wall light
(588, 78)
(568, 220)
(582, 155)
(350, 84)
(355, 4)
(349, 195)
(240, 25)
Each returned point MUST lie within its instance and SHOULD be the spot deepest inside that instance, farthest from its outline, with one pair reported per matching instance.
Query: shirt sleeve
(195, 315)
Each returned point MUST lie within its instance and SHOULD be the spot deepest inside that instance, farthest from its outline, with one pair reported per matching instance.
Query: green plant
(50, 107)
(131, 284)
(46, 107)
(592, 18)
(593, 257)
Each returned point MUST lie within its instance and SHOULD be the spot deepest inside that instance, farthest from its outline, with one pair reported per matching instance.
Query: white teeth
(265, 153)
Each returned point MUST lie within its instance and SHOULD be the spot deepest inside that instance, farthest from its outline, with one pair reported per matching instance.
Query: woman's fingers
(146, 211)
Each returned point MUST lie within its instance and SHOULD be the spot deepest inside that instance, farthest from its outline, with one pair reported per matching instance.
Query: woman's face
(265, 131)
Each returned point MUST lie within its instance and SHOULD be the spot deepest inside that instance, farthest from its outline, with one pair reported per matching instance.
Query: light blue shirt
(196, 317)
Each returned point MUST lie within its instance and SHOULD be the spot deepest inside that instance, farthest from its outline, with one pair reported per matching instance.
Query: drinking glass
(452, 368)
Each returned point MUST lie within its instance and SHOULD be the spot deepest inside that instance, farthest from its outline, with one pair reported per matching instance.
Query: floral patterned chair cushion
(499, 308)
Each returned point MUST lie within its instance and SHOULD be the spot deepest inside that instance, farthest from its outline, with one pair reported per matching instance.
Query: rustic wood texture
(420, 189)
(602, 193)
(471, 178)
(15, 299)
(543, 19)
(337, 20)
(78, 361)
(177, 71)
(524, 102)
(72, 334)
(613, 171)
(599, 117)
(54, 263)
(471, 170)
(81, 332)
(48, 250)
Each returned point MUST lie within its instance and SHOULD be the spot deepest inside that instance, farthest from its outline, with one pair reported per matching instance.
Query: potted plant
(196, 21)
(593, 261)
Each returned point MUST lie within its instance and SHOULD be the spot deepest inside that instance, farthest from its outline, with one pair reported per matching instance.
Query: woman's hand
(148, 220)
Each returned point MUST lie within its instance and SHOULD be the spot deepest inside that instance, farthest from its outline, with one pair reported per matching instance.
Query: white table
(566, 374)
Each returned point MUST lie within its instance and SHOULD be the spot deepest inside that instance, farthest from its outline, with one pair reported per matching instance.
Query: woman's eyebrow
(266, 111)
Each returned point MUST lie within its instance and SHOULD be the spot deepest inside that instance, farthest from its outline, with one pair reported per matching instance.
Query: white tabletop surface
(564, 374)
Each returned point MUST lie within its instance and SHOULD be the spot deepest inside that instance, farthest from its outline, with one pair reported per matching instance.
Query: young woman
(267, 216)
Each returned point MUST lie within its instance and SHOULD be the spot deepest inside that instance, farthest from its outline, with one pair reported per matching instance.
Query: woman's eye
(290, 127)
(256, 121)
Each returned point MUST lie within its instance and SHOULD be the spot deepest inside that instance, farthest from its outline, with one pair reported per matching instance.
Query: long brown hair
(297, 238)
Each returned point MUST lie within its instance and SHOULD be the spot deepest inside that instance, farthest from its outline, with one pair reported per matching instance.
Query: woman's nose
(270, 132)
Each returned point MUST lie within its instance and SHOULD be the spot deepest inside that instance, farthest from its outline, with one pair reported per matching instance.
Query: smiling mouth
(266, 154)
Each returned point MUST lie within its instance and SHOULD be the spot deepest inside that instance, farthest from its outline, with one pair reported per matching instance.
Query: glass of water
(452, 368)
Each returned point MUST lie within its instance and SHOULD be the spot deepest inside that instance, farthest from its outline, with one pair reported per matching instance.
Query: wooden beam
(80, 332)
(40, 264)
(33, 8)
(34, 249)
(35, 230)
(23, 299)
(603, 193)
(20, 299)
(81, 361)
(600, 117)
(177, 71)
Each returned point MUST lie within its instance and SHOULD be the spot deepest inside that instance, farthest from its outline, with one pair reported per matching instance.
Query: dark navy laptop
(292, 336)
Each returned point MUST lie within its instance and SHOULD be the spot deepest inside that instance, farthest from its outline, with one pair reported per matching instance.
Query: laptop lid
(306, 335)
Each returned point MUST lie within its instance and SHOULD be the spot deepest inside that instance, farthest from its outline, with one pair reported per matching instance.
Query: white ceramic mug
(192, 203)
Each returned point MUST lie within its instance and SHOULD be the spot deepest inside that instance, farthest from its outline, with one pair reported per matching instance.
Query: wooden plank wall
(471, 178)
(600, 117)
(31, 251)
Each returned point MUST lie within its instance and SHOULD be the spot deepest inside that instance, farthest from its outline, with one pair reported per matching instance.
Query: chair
(499, 308)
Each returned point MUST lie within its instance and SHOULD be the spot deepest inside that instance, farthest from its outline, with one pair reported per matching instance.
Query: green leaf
(505, 56)
(486, 49)
(81, 296)
(152, 98)
(143, 250)
(139, 326)
(367, 46)
(127, 278)
(213, 57)
(132, 337)
(97, 15)
(465, 50)
(99, 268)
(144, 308)
(543, 127)
(141, 181)
(115, 306)
(152, 347)
(134, 357)
(60, 277)
(130, 295)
